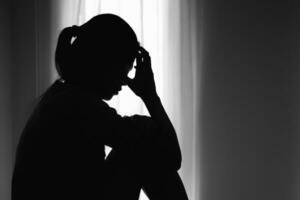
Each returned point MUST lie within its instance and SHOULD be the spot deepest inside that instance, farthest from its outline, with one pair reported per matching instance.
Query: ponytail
(63, 52)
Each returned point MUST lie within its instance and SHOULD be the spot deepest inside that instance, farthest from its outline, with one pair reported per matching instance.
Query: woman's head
(100, 56)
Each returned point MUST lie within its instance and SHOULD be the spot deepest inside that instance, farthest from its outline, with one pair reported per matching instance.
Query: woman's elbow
(176, 163)
(178, 160)
(175, 159)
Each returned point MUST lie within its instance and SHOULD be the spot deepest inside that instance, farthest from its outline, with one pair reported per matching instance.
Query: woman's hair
(87, 52)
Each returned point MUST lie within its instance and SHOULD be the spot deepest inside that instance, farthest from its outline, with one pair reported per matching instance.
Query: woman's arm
(143, 85)
(168, 138)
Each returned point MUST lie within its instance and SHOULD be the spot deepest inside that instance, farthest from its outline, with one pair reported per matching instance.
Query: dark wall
(17, 80)
(5, 100)
(31, 30)
(24, 62)
(249, 100)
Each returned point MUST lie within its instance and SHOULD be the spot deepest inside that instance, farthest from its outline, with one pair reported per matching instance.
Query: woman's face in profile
(114, 79)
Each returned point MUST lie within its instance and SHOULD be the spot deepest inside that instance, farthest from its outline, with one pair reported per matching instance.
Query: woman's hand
(143, 84)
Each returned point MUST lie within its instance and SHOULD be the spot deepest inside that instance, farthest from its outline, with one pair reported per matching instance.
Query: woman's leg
(128, 172)
(167, 185)
(122, 182)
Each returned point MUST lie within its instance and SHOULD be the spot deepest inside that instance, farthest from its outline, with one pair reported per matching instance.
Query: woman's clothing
(61, 151)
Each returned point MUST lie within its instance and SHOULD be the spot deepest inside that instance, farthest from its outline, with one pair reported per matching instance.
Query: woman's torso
(56, 157)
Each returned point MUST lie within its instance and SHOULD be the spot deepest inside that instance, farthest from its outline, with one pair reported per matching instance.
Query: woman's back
(55, 155)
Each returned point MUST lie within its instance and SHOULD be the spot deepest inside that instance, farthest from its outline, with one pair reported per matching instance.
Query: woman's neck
(83, 88)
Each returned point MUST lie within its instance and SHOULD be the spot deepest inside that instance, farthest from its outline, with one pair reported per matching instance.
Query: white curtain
(167, 29)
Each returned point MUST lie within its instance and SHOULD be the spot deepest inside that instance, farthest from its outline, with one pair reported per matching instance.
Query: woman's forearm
(168, 139)
(143, 85)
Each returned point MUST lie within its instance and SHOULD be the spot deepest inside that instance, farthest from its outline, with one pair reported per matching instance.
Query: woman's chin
(109, 96)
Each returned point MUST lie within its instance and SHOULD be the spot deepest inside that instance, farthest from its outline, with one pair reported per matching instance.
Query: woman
(61, 151)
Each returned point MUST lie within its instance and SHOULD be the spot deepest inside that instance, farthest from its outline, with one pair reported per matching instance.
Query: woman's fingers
(143, 83)
(139, 67)
(146, 60)
(138, 59)
(143, 50)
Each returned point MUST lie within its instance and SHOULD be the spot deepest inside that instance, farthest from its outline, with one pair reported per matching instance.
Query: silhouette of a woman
(61, 151)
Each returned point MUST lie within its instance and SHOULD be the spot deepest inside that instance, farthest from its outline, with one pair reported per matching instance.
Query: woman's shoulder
(63, 94)
(75, 101)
